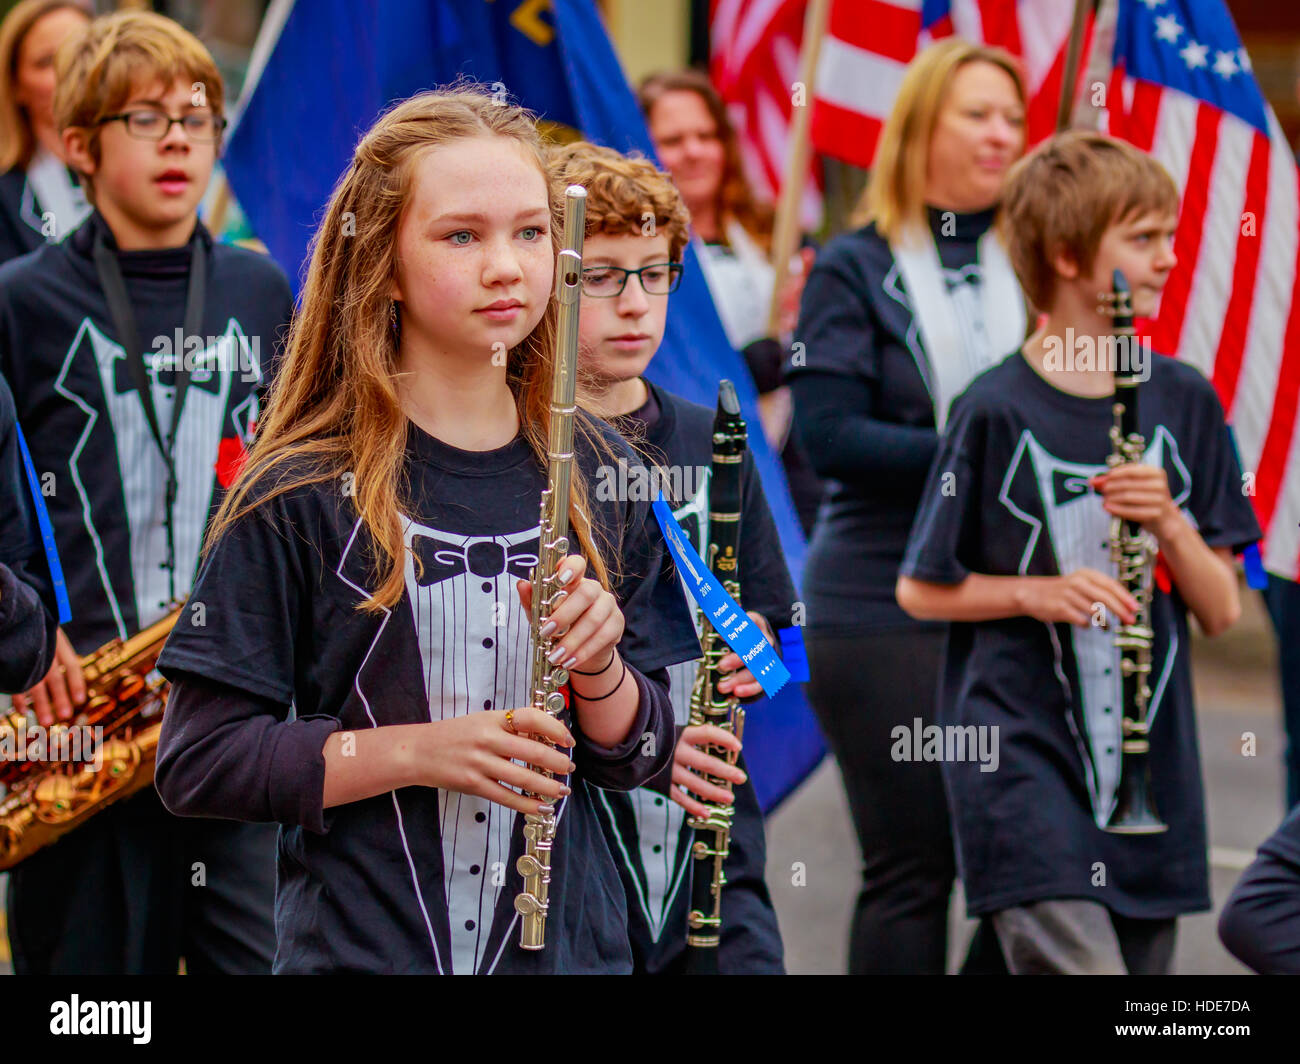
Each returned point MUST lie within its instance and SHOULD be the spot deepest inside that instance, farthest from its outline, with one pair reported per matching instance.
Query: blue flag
(337, 64)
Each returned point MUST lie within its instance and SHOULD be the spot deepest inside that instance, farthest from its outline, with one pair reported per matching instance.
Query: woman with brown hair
(40, 198)
(897, 317)
(697, 145)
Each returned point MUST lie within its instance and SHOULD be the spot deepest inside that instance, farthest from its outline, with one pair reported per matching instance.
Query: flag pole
(1073, 56)
(785, 232)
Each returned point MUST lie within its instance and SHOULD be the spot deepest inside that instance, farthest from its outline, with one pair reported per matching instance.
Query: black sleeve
(842, 440)
(1260, 924)
(658, 632)
(765, 584)
(227, 753)
(944, 542)
(27, 607)
(226, 634)
(835, 389)
(27, 634)
(1219, 499)
(647, 749)
(763, 357)
(228, 746)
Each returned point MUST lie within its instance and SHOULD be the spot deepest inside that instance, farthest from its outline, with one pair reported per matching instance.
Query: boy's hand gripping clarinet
(547, 681)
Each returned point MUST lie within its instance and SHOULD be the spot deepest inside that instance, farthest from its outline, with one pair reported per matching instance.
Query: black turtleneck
(957, 235)
(157, 279)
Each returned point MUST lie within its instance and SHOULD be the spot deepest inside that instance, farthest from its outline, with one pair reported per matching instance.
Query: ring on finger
(510, 721)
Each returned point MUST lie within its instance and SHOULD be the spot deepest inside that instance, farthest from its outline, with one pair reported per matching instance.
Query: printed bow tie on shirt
(442, 560)
(200, 377)
(1067, 486)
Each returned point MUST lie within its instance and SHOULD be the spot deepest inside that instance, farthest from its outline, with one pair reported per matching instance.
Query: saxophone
(1133, 554)
(712, 842)
(43, 799)
(547, 681)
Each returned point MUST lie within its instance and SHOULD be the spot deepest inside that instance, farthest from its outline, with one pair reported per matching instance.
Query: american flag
(870, 42)
(754, 64)
(1182, 89)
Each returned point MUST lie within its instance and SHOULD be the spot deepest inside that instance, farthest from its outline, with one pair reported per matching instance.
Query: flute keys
(527, 905)
(528, 865)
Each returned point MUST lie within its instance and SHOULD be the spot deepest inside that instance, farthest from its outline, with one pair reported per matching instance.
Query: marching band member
(134, 349)
(1013, 540)
(373, 695)
(621, 326)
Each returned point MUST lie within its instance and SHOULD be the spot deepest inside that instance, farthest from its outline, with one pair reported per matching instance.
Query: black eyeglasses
(147, 124)
(606, 282)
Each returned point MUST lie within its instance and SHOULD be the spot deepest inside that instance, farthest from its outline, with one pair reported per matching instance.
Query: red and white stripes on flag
(870, 42)
(1232, 304)
(754, 64)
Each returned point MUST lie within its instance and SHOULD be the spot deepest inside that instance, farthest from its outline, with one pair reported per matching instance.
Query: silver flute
(546, 681)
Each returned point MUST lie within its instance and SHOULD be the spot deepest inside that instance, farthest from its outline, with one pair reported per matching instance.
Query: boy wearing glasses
(136, 349)
(629, 269)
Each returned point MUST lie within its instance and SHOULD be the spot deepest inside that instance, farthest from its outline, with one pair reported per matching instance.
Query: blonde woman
(896, 317)
(40, 199)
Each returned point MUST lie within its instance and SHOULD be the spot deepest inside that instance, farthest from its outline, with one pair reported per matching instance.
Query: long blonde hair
(895, 195)
(334, 407)
(17, 141)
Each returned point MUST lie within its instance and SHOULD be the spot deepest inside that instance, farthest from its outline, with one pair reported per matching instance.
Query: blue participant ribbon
(723, 612)
(47, 533)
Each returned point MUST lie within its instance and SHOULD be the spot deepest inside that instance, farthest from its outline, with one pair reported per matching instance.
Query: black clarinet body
(1133, 554)
(712, 832)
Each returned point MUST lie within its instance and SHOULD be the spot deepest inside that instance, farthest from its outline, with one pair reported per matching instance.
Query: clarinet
(547, 681)
(1133, 555)
(712, 839)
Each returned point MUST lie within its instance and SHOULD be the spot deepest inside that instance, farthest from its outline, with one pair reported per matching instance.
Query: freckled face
(474, 256)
